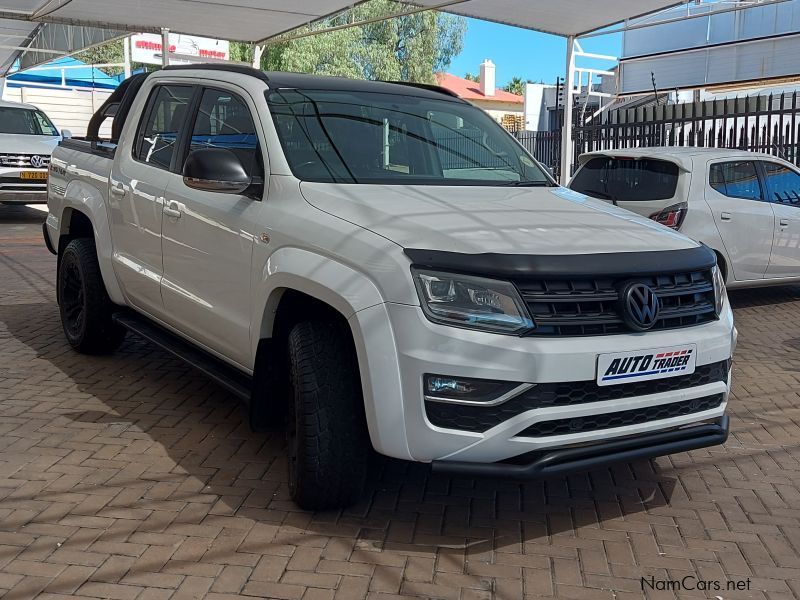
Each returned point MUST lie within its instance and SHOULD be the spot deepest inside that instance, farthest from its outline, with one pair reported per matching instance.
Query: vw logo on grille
(37, 162)
(640, 306)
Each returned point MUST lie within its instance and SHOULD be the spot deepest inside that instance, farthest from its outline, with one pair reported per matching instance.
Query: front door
(783, 187)
(139, 177)
(742, 215)
(208, 237)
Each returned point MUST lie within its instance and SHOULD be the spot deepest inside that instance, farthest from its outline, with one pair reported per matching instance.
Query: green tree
(471, 77)
(516, 86)
(110, 52)
(407, 48)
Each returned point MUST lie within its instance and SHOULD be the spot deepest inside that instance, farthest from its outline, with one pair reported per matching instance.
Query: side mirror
(66, 134)
(215, 170)
(549, 170)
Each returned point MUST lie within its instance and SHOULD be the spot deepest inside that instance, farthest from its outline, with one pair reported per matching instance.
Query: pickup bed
(381, 266)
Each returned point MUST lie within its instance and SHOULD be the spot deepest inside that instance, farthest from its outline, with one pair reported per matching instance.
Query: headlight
(471, 302)
(719, 289)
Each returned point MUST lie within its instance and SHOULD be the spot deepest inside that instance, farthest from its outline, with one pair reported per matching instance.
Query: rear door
(783, 188)
(645, 186)
(139, 176)
(208, 236)
(743, 216)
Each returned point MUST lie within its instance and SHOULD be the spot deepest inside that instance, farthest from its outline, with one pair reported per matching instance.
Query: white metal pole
(258, 51)
(164, 47)
(566, 130)
(126, 49)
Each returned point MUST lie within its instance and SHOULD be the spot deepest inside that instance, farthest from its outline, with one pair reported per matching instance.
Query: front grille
(623, 418)
(591, 306)
(15, 184)
(22, 160)
(544, 395)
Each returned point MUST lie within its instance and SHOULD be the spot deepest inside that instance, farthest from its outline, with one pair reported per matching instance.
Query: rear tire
(85, 306)
(327, 437)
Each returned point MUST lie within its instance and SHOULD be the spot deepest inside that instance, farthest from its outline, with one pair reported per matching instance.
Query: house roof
(471, 90)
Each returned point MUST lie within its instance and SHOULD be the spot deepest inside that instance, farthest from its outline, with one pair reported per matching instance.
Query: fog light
(465, 390)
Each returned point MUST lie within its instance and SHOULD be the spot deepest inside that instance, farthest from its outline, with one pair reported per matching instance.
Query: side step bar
(236, 382)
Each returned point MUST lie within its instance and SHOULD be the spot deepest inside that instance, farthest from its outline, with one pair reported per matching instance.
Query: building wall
(68, 109)
(503, 112)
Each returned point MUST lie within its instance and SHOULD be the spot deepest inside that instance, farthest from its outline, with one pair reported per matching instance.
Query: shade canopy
(559, 17)
(257, 20)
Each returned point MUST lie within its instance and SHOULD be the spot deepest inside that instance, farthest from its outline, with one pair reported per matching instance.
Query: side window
(783, 184)
(224, 121)
(736, 179)
(160, 130)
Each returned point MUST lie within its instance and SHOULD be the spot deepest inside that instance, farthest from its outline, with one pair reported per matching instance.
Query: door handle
(726, 216)
(173, 209)
(784, 222)
(117, 190)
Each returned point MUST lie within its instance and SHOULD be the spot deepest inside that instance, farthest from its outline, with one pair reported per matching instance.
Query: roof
(680, 155)
(283, 79)
(471, 90)
(258, 20)
(6, 104)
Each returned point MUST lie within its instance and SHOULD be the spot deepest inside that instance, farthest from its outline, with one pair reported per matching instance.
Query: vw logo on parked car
(37, 162)
(640, 306)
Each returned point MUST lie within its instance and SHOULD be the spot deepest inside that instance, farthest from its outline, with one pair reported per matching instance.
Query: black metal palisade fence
(767, 123)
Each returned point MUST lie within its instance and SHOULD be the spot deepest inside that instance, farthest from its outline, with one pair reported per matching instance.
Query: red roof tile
(471, 90)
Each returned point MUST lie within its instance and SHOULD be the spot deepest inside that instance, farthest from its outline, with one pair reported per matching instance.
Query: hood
(474, 220)
(12, 143)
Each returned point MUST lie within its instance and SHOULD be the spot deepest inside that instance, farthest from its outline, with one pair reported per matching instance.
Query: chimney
(487, 78)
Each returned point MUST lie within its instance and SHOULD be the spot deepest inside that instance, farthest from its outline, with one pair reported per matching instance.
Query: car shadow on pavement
(22, 213)
(144, 421)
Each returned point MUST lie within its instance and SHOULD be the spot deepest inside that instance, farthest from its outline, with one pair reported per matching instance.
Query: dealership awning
(257, 20)
(37, 30)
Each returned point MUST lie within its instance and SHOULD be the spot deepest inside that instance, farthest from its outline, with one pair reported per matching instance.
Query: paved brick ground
(131, 476)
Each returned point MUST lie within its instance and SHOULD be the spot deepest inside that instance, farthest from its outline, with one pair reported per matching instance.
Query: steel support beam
(566, 128)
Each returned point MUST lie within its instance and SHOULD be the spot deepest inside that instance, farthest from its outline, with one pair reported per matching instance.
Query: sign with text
(146, 48)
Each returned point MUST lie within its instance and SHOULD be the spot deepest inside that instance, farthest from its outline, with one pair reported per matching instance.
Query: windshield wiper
(598, 194)
(525, 184)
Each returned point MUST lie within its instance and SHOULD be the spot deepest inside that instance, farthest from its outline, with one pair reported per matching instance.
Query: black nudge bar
(564, 461)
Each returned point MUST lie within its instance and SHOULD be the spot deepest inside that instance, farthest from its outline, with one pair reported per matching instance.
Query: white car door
(742, 215)
(208, 236)
(783, 188)
(139, 176)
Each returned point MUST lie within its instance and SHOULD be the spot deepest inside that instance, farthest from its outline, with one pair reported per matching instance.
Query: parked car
(744, 205)
(27, 138)
(382, 266)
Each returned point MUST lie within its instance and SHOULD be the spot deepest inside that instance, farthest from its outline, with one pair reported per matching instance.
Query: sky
(523, 53)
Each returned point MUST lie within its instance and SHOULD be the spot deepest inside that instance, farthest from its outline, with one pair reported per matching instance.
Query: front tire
(327, 437)
(85, 306)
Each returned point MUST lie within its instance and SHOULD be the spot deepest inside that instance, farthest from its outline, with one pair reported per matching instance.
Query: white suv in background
(27, 139)
(744, 205)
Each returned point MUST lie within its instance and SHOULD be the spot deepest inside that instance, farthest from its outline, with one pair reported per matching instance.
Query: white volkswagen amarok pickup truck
(380, 265)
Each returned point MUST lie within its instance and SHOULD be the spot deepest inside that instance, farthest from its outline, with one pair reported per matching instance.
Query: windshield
(25, 121)
(365, 137)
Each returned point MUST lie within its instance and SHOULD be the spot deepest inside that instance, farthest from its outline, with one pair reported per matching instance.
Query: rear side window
(160, 130)
(735, 179)
(224, 121)
(625, 180)
(783, 184)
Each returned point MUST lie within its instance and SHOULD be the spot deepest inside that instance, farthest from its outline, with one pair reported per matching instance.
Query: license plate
(33, 175)
(646, 365)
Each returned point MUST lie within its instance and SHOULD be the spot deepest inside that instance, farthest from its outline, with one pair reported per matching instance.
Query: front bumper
(592, 456)
(15, 190)
(397, 346)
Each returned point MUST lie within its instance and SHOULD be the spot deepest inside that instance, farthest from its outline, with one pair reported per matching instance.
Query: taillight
(671, 216)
